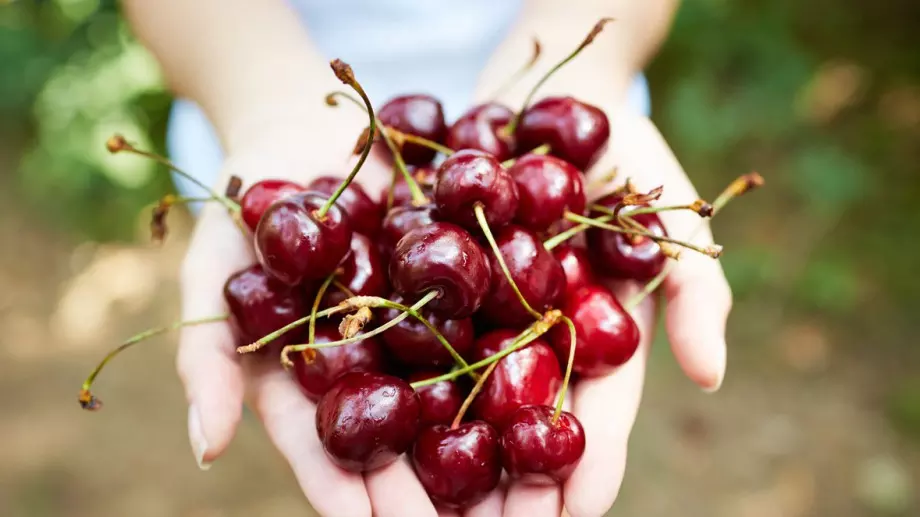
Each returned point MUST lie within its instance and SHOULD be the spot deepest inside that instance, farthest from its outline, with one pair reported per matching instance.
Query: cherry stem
(521, 72)
(391, 193)
(434, 330)
(268, 338)
(418, 197)
(472, 396)
(737, 188)
(419, 140)
(311, 329)
(568, 368)
(88, 400)
(713, 251)
(370, 301)
(541, 150)
(344, 288)
(700, 207)
(484, 224)
(345, 74)
(598, 27)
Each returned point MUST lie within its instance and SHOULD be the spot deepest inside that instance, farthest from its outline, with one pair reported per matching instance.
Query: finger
(289, 420)
(206, 361)
(525, 500)
(607, 407)
(396, 492)
(491, 506)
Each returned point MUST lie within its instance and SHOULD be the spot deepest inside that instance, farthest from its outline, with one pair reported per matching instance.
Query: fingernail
(196, 438)
(716, 382)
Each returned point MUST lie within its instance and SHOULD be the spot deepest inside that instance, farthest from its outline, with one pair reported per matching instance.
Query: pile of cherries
(444, 316)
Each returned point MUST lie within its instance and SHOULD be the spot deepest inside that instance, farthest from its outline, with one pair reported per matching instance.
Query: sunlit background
(819, 414)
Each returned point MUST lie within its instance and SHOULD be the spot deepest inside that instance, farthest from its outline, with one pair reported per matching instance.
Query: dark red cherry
(363, 272)
(401, 220)
(547, 187)
(364, 215)
(261, 195)
(537, 274)
(530, 375)
(366, 420)
(412, 344)
(441, 257)
(626, 256)
(420, 115)
(317, 375)
(574, 261)
(575, 131)
(606, 335)
(470, 177)
(481, 128)
(458, 467)
(402, 196)
(439, 401)
(259, 305)
(294, 245)
(538, 451)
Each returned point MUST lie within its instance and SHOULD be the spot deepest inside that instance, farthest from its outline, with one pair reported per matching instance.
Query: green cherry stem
(434, 330)
(472, 396)
(418, 140)
(521, 72)
(88, 400)
(713, 251)
(568, 368)
(700, 207)
(541, 150)
(268, 338)
(311, 332)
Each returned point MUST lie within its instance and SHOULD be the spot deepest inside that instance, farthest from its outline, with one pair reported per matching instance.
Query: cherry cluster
(446, 316)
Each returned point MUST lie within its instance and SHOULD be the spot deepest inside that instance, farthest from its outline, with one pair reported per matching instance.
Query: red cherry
(364, 215)
(425, 177)
(458, 467)
(261, 195)
(363, 272)
(294, 245)
(575, 131)
(626, 256)
(574, 261)
(366, 420)
(444, 258)
(439, 401)
(259, 304)
(481, 128)
(411, 343)
(530, 375)
(547, 187)
(538, 451)
(472, 177)
(535, 271)
(420, 115)
(606, 335)
(401, 220)
(316, 376)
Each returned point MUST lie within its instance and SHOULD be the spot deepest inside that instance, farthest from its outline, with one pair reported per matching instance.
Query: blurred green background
(820, 412)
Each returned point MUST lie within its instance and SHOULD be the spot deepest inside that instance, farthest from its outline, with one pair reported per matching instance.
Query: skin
(264, 109)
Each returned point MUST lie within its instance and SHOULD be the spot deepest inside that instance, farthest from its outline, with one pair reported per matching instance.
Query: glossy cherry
(259, 304)
(473, 177)
(577, 267)
(295, 245)
(547, 188)
(424, 176)
(364, 215)
(442, 257)
(401, 220)
(317, 375)
(261, 195)
(575, 131)
(481, 128)
(366, 420)
(535, 271)
(420, 115)
(363, 273)
(530, 375)
(626, 256)
(539, 451)
(439, 401)
(458, 467)
(606, 335)
(412, 344)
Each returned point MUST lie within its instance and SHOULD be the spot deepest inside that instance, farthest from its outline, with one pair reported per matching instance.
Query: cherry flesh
(547, 187)
(261, 195)
(412, 344)
(364, 215)
(473, 177)
(575, 131)
(420, 115)
(401, 220)
(259, 304)
(439, 401)
(575, 263)
(606, 335)
(538, 451)
(530, 375)
(481, 128)
(442, 257)
(458, 467)
(366, 420)
(294, 245)
(363, 272)
(626, 256)
(537, 274)
(316, 375)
